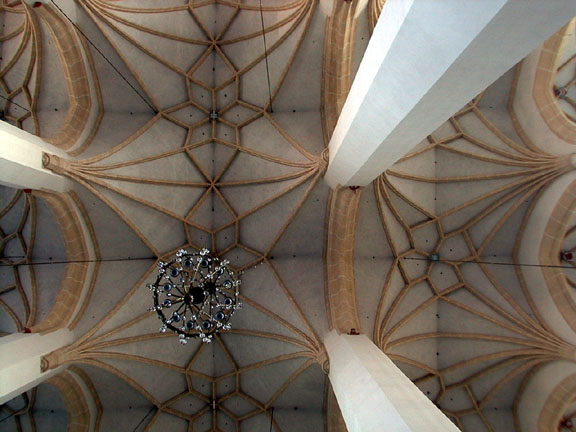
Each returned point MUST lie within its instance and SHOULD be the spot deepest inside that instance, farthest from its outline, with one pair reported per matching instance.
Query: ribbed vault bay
(467, 329)
(204, 152)
(215, 167)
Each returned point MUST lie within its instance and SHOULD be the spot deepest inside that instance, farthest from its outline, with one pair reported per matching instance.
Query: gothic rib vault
(156, 175)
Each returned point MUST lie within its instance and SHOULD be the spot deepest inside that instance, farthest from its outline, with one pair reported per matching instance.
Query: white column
(373, 394)
(21, 161)
(20, 356)
(426, 59)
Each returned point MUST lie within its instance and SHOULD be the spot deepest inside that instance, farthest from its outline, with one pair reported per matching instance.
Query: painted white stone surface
(425, 60)
(373, 394)
(21, 161)
(20, 356)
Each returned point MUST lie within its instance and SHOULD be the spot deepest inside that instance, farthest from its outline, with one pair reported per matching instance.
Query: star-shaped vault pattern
(213, 155)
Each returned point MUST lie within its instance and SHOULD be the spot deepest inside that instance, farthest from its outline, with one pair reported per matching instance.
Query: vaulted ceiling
(187, 125)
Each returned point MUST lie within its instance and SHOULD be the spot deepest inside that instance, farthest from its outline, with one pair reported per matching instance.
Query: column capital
(55, 163)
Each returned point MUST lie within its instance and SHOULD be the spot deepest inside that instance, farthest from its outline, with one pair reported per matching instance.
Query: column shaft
(373, 394)
(425, 61)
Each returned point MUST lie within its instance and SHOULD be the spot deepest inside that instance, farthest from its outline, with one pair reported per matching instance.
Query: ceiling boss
(195, 295)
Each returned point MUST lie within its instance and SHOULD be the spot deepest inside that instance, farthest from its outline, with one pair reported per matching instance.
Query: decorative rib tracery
(512, 336)
(206, 160)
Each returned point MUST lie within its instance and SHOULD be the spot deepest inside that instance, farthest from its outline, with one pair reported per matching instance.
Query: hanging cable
(73, 261)
(491, 263)
(17, 412)
(271, 418)
(14, 102)
(106, 58)
(8, 416)
(144, 418)
(266, 57)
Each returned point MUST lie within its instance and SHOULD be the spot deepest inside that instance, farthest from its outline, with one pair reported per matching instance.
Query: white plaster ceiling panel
(41, 408)
(111, 230)
(261, 283)
(415, 192)
(275, 143)
(301, 90)
(144, 64)
(302, 127)
(53, 101)
(116, 126)
(371, 240)
(114, 282)
(494, 105)
(153, 141)
(173, 40)
(251, 88)
(123, 407)
(413, 215)
(261, 237)
(159, 229)
(302, 236)
(304, 279)
(247, 168)
(504, 239)
(370, 276)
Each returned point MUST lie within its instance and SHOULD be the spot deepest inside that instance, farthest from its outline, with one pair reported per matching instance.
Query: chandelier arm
(183, 293)
(180, 307)
(196, 271)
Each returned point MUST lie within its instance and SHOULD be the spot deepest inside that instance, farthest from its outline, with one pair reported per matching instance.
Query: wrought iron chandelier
(195, 295)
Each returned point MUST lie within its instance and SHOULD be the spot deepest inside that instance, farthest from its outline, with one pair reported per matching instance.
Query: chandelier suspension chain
(144, 418)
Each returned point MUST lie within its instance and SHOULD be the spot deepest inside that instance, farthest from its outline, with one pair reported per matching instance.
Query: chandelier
(195, 295)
